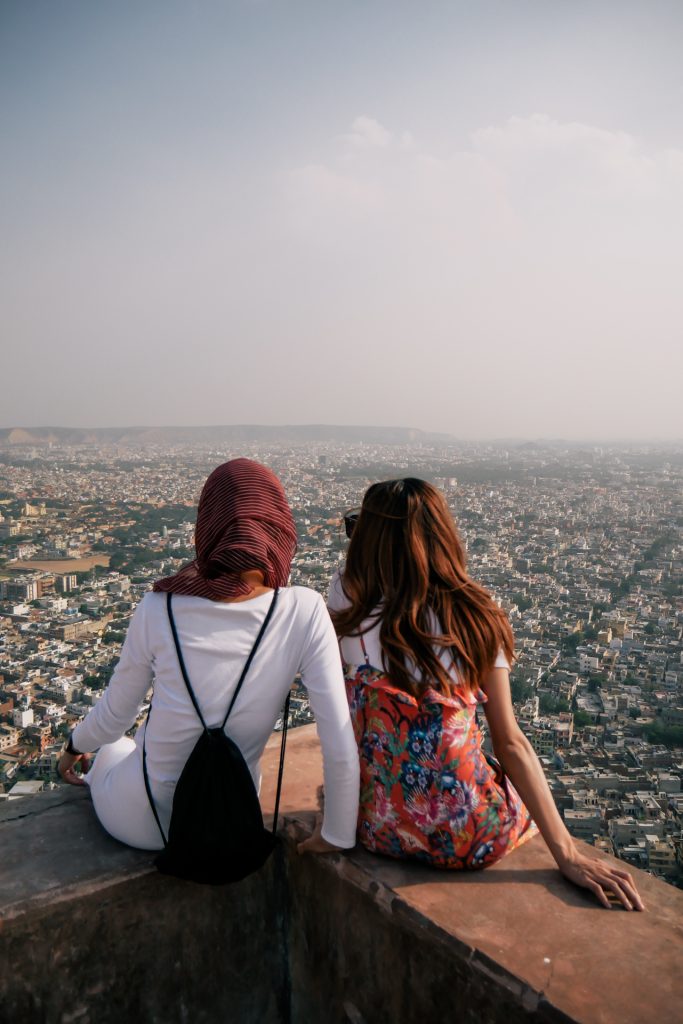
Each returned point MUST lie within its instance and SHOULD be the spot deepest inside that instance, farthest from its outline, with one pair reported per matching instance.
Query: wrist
(564, 852)
(69, 748)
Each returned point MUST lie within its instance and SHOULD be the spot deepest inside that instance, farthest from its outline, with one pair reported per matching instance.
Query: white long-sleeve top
(216, 638)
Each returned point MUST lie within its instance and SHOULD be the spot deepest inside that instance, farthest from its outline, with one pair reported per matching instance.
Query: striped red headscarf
(243, 522)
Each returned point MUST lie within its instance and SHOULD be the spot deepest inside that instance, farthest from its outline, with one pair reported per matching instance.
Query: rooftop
(92, 933)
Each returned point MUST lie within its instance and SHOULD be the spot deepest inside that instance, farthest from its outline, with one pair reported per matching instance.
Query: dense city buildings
(582, 545)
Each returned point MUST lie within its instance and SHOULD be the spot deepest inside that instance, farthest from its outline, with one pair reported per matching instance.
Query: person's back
(245, 540)
(428, 791)
(423, 645)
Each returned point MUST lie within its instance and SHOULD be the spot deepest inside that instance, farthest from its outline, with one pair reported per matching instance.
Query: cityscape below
(582, 545)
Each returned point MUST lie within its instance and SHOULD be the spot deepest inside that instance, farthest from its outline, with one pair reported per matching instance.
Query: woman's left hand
(601, 877)
(66, 768)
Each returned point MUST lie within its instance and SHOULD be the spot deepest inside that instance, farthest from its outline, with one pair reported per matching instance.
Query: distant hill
(288, 434)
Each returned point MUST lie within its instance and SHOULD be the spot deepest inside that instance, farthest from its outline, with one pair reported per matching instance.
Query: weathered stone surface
(151, 950)
(53, 848)
(89, 932)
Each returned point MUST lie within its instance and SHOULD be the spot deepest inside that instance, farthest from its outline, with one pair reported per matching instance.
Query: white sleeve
(322, 675)
(501, 661)
(336, 598)
(118, 708)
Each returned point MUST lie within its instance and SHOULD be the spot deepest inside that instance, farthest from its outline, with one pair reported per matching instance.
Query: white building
(21, 717)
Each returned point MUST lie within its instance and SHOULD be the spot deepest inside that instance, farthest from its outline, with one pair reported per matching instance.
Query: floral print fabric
(428, 791)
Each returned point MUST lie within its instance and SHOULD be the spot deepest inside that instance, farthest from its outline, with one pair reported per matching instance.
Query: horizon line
(455, 438)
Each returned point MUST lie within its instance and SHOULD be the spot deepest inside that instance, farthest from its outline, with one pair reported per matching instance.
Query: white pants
(118, 792)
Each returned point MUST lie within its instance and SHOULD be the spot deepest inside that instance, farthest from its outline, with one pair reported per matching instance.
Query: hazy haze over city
(458, 217)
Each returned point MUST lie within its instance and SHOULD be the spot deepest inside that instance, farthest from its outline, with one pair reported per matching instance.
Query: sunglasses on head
(350, 520)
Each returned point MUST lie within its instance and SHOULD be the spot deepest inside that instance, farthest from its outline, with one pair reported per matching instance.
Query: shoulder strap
(251, 655)
(181, 660)
(148, 788)
(364, 649)
(281, 768)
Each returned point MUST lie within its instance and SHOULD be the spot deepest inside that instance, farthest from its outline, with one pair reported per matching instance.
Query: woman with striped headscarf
(245, 540)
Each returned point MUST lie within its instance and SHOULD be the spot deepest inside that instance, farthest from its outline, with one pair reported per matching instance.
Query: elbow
(340, 753)
(513, 748)
(343, 764)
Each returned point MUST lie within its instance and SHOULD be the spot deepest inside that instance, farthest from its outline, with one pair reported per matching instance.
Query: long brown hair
(406, 567)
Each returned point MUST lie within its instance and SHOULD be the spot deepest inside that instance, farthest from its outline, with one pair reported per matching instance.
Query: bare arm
(520, 763)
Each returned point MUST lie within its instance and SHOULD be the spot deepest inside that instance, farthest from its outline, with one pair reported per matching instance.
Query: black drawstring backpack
(216, 834)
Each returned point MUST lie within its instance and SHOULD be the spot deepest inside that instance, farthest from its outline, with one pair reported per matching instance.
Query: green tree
(550, 705)
(520, 690)
(668, 735)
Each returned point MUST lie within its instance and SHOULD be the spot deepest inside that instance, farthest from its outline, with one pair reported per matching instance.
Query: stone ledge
(523, 925)
(54, 849)
(340, 938)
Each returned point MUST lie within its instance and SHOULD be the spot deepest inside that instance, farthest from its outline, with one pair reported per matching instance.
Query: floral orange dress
(428, 791)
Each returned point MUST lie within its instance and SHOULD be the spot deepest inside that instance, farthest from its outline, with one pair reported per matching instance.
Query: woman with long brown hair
(424, 644)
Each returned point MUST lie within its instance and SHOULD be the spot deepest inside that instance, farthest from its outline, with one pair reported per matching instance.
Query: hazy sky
(459, 216)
